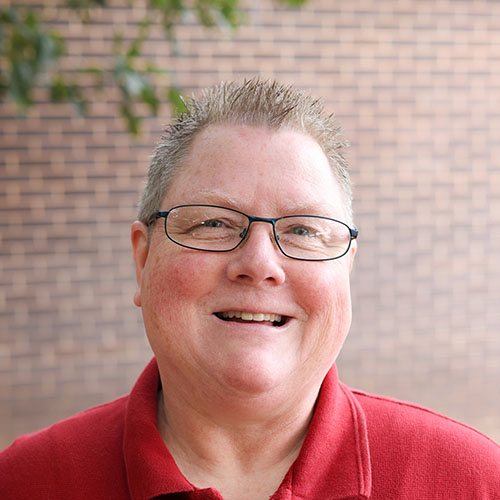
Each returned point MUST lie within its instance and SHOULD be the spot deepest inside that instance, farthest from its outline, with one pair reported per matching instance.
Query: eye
(205, 226)
(216, 227)
(212, 223)
(302, 231)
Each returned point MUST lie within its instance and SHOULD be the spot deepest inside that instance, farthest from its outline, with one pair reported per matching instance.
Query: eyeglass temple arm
(155, 217)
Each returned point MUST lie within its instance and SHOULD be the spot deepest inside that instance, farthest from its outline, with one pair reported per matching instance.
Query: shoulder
(429, 446)
(394, 416)
(86, 444)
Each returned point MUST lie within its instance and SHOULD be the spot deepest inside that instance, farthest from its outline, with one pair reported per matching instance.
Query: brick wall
(416, 85)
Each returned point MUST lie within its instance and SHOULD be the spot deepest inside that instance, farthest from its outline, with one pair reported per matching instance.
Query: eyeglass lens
(222, 229)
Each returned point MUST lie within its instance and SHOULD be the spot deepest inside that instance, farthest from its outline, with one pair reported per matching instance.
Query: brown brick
(415, 86)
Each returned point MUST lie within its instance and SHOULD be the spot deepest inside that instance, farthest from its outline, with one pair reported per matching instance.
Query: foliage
(31, 55)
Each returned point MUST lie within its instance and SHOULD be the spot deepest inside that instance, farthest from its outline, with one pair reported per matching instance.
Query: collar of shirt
(334, 462)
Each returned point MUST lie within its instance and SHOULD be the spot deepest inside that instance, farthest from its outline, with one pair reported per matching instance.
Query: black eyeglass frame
(251, 219)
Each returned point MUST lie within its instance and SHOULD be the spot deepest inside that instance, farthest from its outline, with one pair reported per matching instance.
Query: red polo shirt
(358, 446)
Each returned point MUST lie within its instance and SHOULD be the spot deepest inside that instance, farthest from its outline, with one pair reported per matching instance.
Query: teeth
(246, 316)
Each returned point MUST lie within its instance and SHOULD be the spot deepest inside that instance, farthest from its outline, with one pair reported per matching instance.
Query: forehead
(247, 166)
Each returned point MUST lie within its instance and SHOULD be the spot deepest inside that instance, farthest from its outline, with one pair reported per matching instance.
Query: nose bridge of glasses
(251, 219)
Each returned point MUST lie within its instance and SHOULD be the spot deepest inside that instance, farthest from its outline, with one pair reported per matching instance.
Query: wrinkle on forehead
(213, 197)
(251, 186)
(287, 207)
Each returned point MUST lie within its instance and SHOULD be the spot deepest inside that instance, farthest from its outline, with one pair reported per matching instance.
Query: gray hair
(253, 103)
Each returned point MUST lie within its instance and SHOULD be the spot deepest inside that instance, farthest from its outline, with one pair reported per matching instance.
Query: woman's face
(183, 292)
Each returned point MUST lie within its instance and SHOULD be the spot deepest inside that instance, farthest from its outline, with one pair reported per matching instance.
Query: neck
(221, 447)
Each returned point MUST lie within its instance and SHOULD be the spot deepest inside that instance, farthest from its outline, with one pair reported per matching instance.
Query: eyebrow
(305, 208)
(216, 197)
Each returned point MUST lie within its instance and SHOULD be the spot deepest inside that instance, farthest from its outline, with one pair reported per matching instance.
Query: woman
(243, 250)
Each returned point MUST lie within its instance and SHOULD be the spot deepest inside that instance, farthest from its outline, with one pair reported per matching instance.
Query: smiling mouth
(246, 317)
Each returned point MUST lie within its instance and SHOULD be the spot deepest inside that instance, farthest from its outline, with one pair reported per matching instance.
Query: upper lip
(253, 310)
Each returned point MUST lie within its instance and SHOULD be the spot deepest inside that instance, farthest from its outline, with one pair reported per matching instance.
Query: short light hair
(254, 102)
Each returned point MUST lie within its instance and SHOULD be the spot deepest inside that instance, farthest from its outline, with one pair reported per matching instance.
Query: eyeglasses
(211, 228)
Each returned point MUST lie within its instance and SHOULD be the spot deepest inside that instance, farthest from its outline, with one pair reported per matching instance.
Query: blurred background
(416, 86)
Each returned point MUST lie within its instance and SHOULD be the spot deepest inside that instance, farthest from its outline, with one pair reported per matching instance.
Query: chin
(254, 377)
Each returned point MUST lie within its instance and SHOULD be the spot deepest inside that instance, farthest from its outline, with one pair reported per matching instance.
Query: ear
(139, 239)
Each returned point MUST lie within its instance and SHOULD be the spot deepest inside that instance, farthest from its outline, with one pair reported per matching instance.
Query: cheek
(330, 309)
(329, 292)
(174, 282)
(173, 291)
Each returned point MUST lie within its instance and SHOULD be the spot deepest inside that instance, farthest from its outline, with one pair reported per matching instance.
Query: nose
(257, 261)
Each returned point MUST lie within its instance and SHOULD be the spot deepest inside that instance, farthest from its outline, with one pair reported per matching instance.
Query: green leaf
(152, 68)
(85, 4)
(62, 91)
(98, 74)
(133, 121)
(175, 98)
(231, 11)
(30, 54)
(84, 7)
(294, 3)
(149, 97)
(222, 13)
(28, 51)
(171, 12)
